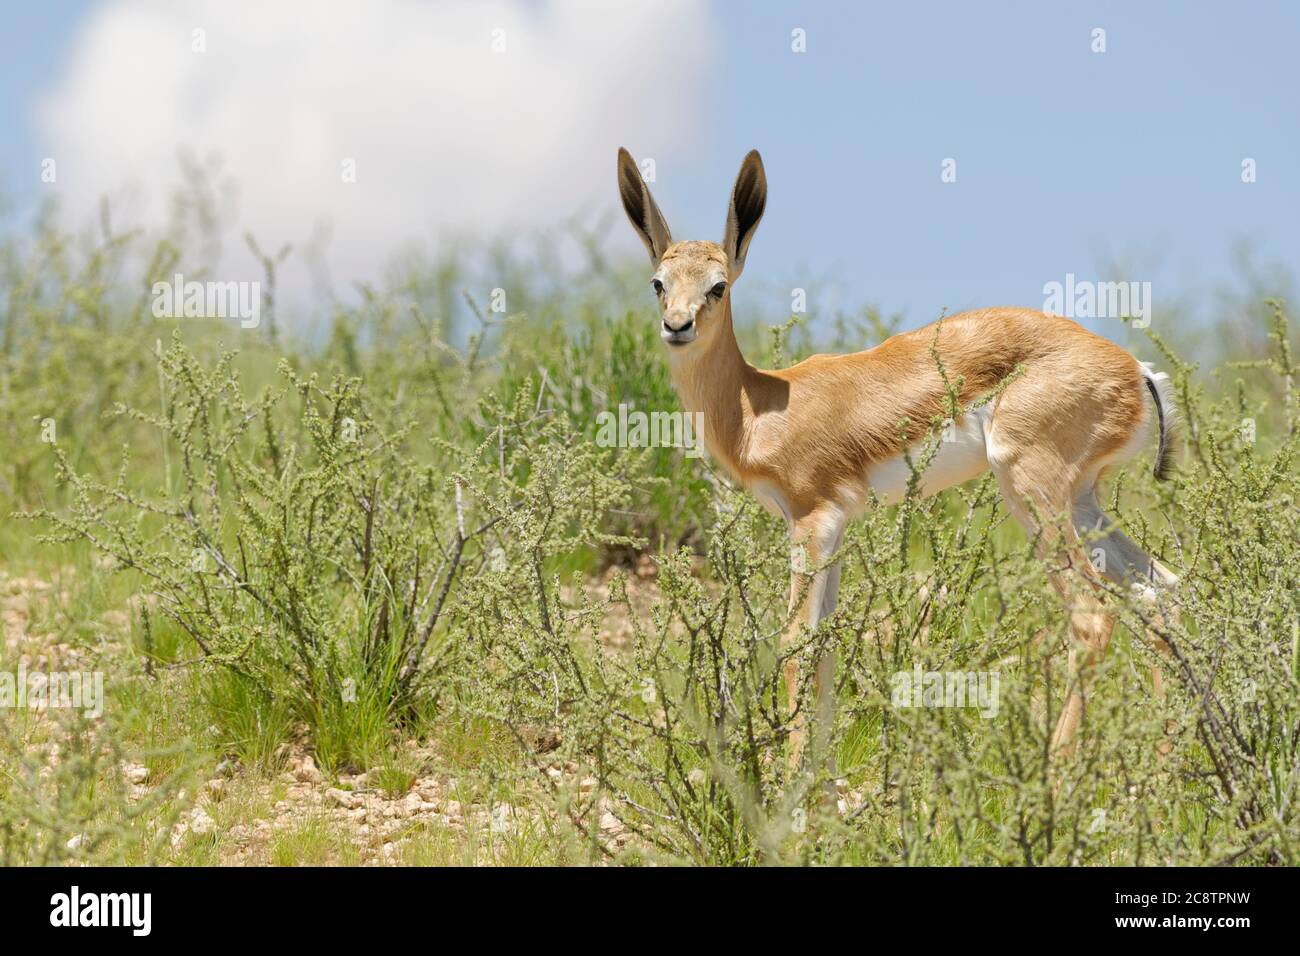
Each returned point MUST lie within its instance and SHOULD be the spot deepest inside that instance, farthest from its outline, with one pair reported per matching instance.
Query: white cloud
(447, 135)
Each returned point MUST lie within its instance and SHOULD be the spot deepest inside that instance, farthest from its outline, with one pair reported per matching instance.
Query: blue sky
(36, 41)
(1122, 164)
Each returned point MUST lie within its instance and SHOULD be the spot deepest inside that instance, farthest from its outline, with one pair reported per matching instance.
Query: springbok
(818, 442)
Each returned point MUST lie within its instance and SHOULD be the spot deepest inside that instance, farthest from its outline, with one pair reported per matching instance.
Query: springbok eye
(657, 286)
(718, 289)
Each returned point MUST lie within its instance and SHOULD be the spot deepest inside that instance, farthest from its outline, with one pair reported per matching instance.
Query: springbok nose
(678, 321)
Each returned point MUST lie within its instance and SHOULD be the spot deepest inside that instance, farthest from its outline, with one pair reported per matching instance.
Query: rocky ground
(239, 816)
(250, 819)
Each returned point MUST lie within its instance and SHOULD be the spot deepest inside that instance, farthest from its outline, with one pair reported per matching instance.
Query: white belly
(962, 455)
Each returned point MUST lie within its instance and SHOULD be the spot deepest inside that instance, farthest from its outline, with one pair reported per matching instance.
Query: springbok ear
(640, 207)
(748, 200)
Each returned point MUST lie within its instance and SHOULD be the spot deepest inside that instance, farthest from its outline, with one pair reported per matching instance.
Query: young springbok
(815, 442)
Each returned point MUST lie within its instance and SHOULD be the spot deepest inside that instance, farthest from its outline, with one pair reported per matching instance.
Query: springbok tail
(1162, 397)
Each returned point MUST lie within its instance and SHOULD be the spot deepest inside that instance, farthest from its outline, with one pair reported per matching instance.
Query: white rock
(306, 770)
(342, 798)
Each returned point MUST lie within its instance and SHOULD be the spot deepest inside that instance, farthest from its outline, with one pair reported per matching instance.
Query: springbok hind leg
(1072, 575)
(1091, 626)
(1122, 562)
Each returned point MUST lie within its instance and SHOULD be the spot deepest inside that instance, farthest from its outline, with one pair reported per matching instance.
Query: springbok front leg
(814, 588)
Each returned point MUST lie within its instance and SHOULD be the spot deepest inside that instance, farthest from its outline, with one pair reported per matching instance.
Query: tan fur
(807, 439)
